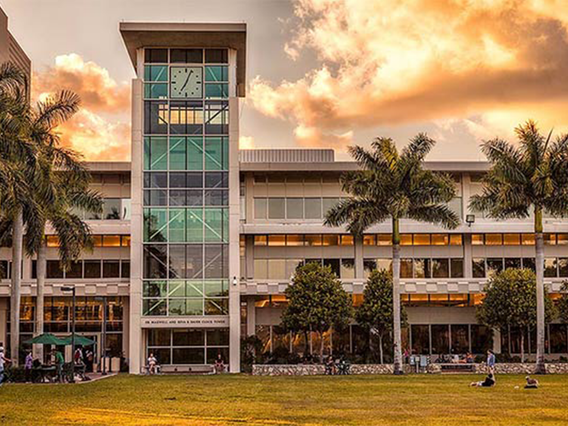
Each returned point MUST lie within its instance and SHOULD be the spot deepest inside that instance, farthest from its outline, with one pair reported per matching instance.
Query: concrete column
(4, 303)
(136, 351)
(234, 226)
(251, 317)
(126, 326)
(467, 256)
(359, 268)
(249, 256)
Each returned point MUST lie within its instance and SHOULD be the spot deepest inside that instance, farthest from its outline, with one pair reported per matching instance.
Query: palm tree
(61, 189)
(394, 186)
(530, 177)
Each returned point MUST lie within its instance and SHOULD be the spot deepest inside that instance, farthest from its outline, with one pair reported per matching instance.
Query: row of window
(485, 267)
(186, 56)
(188, 346)
(161, 90)
(283, 269)
(516, 239)
(186, 117)
(98, 240)
(310, 179)
(86, 269)
(186, 153)
(191, 225)
(87, 308)
(185, 197)
(195, 261)
(298, 240)
(159, 73)
(293, 208)
(113, 209)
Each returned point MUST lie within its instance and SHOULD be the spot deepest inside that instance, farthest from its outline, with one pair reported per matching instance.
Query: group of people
(336, 366)
(86, 357)
(490, 380)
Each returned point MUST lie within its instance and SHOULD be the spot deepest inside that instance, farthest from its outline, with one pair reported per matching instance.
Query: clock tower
(184, 285)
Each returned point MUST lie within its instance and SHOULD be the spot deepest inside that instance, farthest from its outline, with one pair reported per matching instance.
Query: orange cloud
(387, 62)
(101, 129)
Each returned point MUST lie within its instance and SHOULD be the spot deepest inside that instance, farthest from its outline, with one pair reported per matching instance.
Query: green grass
(227, 400)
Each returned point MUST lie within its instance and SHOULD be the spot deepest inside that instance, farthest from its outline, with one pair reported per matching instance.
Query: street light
(72, 289)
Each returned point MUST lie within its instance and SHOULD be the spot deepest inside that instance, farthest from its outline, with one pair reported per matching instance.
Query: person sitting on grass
(487, 383)
(531, 383)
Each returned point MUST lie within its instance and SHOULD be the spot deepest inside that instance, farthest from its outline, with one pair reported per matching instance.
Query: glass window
(494, 265)
(216, 56)
(330, 240)
(478, 268)
(75, 270)
(155, 261)
(177, 228)
(291, 266)
(313, 208)
(440, 239)
(260, 208)
(420, 339)
(421, 239)
(277, 240)
(155, 118)
(186, 56)
(477, 239)
(295, 208)
(125, 268)
(328, 203)
(527, 239)
(260, 240)
(456, 240)
(347, 240)
(512, 262)
(92, 268)
(529, 263)
(276, 269)
(460, 338)
(558, 342)
(216, 225)
(456, 268)
(422, 268)
(215, 154)
(156, 55)
(155, 73)
(347, 269)
(333, 264)
(512, 239)
(276, 208)
(550, 268)
(111, 268)
(194, 225)
(186, 117)
(217, 90)
(217, 118)
(369, 265)
(481, 339)
(405, 268)
(384, 239)
(562, 239)
(549, 239)
(369, 240)
(385, 264)
(493, 239)
(440, 339)
(563, 267)
(440, 268)
(313, 239)
(294, 240)
(260, 269)
(405, 239)
(216, 73)
(155, 91)
(155, 153)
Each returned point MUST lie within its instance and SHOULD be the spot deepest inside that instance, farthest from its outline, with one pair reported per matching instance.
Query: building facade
(198, 241)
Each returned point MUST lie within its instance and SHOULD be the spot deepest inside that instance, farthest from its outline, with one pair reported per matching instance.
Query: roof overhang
(206, 35)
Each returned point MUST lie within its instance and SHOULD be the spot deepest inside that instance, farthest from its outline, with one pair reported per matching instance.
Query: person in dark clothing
(487, 383)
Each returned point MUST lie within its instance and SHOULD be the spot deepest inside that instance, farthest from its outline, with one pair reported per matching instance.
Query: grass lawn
(228, 400)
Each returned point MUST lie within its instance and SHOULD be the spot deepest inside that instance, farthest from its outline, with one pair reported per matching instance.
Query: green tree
(510, 301)
(393, 186)
(375, 314)
(316, 302)
(530, 177)
(563, 304)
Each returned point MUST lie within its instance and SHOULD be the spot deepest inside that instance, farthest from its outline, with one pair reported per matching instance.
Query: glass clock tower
(185, 304)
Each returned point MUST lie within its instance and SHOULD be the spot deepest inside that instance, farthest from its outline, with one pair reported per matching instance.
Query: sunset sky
(324, 73)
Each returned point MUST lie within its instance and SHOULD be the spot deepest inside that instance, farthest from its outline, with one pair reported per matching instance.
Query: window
(295, 208)
(276, 208)
(512, 239)
(92, 268)
(527, 239)
(421, 239)
(456, 267)
(477, 239)
(156, 55)
(493, 239)
(155, 118)
(440, 239)
(313, 208)
(478, 268)
(512, 262)
(405, 239)
(550, 270)
(260, 208)
(277, 240)
(111, 268)
(405, 268)
(440, 268)
(494, 266)
(346, 240)
(294, 240)
(369, 240)
(456, 240)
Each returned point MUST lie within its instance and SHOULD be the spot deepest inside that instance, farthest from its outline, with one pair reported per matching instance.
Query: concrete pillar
(251, 317)
(497, 341)
(359, 268)
(467, 256)
(4, 303)
(136, 352)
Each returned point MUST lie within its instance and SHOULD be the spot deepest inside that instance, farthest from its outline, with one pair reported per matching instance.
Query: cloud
(246, 142)
(101, 129)
(387, 62)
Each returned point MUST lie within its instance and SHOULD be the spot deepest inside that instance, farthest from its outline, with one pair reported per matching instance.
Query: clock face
(186, 82)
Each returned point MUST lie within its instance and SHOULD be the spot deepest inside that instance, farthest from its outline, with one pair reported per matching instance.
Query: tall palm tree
(62, 190)
(393, 186)
(529, 177)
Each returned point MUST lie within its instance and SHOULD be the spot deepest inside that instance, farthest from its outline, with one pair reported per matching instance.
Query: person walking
(3, 361)
(491, 361)
(59, 361)
(28, 365)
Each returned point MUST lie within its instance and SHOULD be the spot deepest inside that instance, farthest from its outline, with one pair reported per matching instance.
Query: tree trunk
(522, 345)
(321, 346)
(40, 284)
(381, 348)
(17, 242)
(397, 337)
(540, 367)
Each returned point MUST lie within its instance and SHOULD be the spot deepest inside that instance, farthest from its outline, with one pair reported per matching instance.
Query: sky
(323, 73)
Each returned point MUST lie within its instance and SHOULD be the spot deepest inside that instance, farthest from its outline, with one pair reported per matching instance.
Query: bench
(457, 368)
(188, 369)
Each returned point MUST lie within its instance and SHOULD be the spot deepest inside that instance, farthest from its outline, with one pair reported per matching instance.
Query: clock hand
(186, 80)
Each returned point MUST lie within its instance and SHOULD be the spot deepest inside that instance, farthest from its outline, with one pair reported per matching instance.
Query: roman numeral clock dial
(186, 82)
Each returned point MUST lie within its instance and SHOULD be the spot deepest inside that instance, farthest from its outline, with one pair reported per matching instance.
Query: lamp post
(72, 289)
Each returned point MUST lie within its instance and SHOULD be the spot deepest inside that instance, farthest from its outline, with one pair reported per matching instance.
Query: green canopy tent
(79, 340)
(46, 339)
